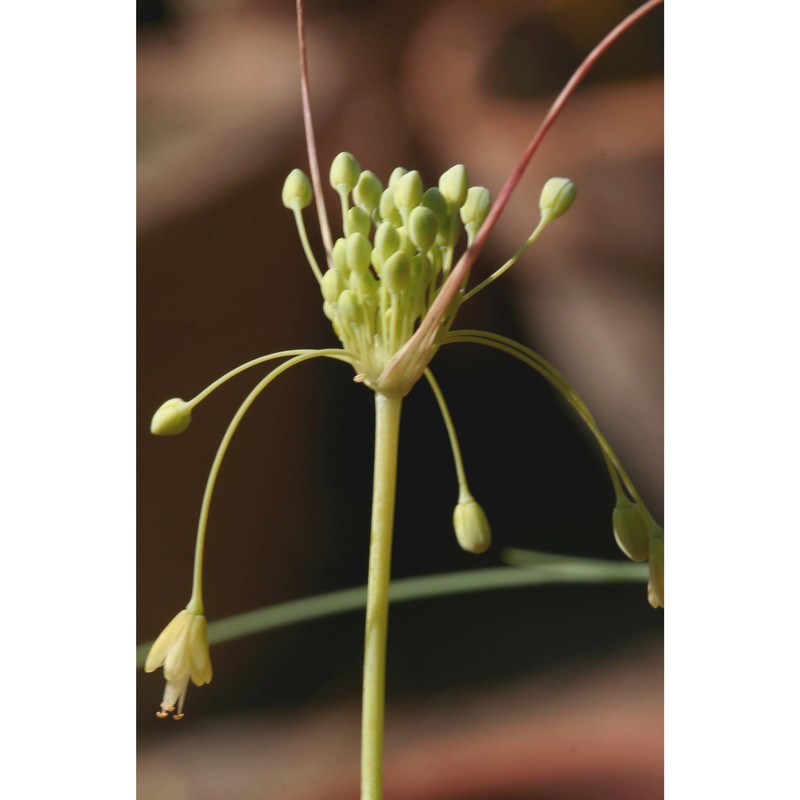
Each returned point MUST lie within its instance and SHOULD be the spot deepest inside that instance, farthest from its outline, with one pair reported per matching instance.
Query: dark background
(544, 692)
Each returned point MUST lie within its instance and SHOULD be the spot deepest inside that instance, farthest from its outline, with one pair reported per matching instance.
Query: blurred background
(518, 694)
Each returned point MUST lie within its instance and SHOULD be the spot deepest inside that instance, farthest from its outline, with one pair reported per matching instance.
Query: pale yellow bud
(387, 210)
(472, 528)
(422, 227)
(557, 197)
(476, 208)
(631, 530)
(453, 184)
(397, 173)
(333, 284)
(172, 417)
(297, 192)
(344, 172)
(358, 252)
(655, 585)
(396, 272)
(339, 255)
(350, 310)
(368, 190)
(357, 221)
(434, 200)
(408, 190)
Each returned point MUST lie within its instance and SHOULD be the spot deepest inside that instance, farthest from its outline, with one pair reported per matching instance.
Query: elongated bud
(408, 190)
(472, 528)
(434, 200)
(333, 284)
(396, 272)
(397, 173)
(655, 586)
(476, 208)
(422, 227)
(368, 190)
(344, 172)
(358, 252)
(365, 285)
(631, 530)
(387, 242)
(339, 254)
(557, 197)
(172, 417)
(453, 185)
(297, 191)
(350, 310)
(387, 210)
(356, 221)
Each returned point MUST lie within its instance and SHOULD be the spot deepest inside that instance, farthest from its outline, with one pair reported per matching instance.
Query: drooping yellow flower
(182, 650)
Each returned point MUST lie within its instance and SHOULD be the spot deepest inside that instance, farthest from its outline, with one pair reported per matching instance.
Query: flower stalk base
(387, 428)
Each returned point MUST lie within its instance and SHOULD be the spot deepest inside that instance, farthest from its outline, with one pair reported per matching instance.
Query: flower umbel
(397, 249)
(182, 650)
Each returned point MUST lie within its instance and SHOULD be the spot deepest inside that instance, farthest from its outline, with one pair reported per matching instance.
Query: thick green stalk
(387, 428)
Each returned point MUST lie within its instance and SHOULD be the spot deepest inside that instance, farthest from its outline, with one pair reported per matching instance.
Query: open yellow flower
(182, 650)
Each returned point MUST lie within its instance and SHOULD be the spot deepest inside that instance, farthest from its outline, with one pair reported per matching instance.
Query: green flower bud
(172, 417)
(422, 227)
(329, 310)
(344, 172)
(631, 530)
(333, 284)
(397, 173)
(368, 190)
(557, 197)
(453, 185)
(350, 310)
(357, 221)
(396, 272)
(408, 190)
(449, 231)
(339, 255)
(387, 239)
(472, 528)
(435, 201)
(476, 208)
(655, 586)
(365, 285)
(387, 242)
(297, 192)
(358, 252)
(387, 210)
(406, 245)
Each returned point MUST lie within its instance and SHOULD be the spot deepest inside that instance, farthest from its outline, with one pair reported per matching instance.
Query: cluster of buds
(396, 251)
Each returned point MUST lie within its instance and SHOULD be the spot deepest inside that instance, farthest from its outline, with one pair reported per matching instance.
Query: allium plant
(392, 284)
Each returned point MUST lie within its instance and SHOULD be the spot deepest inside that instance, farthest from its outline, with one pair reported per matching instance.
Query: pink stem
(313, 162)
(426, 333)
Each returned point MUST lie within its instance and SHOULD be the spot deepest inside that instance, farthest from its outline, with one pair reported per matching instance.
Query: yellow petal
(198, 650)
(167, 637)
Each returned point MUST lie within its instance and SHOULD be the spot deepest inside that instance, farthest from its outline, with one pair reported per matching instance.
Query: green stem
(532, 569)
(461, 474)
(387, 428)
(553, 376)
(510, 263)
(196, 600)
